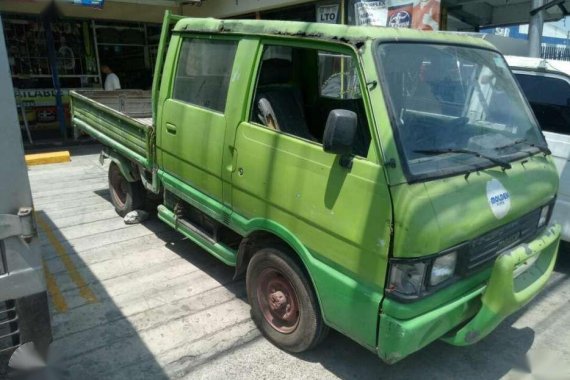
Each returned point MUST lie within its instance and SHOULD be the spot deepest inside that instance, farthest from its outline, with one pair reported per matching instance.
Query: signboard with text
(39, 107)
(327, 14)
(371, 13)
(416, 14)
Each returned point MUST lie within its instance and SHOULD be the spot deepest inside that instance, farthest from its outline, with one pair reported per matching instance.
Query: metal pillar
(10, 126)
(535, 29)
(52, 58)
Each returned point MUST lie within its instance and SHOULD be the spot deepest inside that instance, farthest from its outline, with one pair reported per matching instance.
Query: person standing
(112, 81)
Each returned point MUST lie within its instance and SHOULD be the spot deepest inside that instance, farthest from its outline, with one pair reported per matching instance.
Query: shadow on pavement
(93, 339)
(503, 350)
(563, 261)
(485, 360)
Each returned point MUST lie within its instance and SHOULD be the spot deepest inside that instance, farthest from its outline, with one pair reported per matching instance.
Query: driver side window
(297, 88)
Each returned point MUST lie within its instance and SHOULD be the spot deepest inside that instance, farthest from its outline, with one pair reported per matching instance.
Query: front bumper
(487, 305)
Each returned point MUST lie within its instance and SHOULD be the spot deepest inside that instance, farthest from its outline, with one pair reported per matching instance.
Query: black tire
(309, 328)
(126, 196)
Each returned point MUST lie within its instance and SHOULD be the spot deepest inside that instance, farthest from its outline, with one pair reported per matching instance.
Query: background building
(555, 41)
(55, 46)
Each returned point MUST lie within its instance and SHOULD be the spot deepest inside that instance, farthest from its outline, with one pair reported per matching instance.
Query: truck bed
(120, 119)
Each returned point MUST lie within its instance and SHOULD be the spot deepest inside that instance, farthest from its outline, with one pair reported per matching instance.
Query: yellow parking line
(54, 291)
(84, 290)
(47, 158)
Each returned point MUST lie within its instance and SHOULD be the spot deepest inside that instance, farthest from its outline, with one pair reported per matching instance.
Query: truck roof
(355, 35)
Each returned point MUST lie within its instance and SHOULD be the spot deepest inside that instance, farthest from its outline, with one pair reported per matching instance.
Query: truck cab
(369, 180)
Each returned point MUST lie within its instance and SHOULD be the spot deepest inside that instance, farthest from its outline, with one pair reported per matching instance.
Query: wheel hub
(278, 301)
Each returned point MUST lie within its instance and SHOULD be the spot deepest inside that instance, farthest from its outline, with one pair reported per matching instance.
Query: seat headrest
(275, 71)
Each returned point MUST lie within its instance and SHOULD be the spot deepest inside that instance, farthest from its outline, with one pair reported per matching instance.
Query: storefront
(52, 51)
(31, 43)
(80, 47)
(57, 46)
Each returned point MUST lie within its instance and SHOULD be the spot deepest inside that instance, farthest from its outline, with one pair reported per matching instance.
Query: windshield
(455, 108)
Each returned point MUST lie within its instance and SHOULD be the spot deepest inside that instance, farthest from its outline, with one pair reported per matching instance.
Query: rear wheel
(126, 196)
(283, 303)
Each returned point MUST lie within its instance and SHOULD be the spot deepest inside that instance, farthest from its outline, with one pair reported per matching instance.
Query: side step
(217, 249)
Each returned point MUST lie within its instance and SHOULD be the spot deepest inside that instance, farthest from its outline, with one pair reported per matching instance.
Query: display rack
(32, 70)
(28, 52)
(75, 51)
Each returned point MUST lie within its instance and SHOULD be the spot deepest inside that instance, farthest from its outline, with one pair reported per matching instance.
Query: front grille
(487, 247)
(9, 331)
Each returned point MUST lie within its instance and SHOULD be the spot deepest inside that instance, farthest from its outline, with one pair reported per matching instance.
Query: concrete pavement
(142, 302)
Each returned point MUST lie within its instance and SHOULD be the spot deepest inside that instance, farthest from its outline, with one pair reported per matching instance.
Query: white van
(546, 84)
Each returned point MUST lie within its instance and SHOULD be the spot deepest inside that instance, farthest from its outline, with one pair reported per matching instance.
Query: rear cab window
(204, 72)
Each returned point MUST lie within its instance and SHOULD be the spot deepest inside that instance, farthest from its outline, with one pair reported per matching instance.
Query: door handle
(232, 166)
(171, 128)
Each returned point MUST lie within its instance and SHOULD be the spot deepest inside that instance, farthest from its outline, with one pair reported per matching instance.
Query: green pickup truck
(391, 184)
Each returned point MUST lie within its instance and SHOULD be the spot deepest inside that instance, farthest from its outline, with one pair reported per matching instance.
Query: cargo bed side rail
(128, 136)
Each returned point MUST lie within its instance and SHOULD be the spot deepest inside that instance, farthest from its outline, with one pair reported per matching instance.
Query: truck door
(24, 313)
(192, 119)
(340, 214)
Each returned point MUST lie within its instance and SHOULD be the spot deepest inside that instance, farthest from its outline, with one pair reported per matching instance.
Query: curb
(48, 158)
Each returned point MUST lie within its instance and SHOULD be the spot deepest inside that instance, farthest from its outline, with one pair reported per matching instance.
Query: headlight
(443, 268)
(410, 278)
(407, 279)
(543, 219)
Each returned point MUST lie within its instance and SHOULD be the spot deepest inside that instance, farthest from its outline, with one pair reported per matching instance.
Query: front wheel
(126, 196)
(283, 303)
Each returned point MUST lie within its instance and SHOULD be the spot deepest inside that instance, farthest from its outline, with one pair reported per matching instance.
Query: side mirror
(339, 135)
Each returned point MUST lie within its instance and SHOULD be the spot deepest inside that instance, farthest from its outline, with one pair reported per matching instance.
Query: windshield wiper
(543, 148)
(437, 151)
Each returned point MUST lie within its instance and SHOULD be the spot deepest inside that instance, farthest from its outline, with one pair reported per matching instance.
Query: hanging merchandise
(90, 59)
(65, 57)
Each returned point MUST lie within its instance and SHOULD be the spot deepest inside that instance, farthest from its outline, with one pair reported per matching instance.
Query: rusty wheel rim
(278, 301)
(119, 186)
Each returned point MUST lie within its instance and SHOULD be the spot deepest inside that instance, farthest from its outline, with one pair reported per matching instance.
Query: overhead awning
(485, 13)
(119, 10)
(470, 14)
